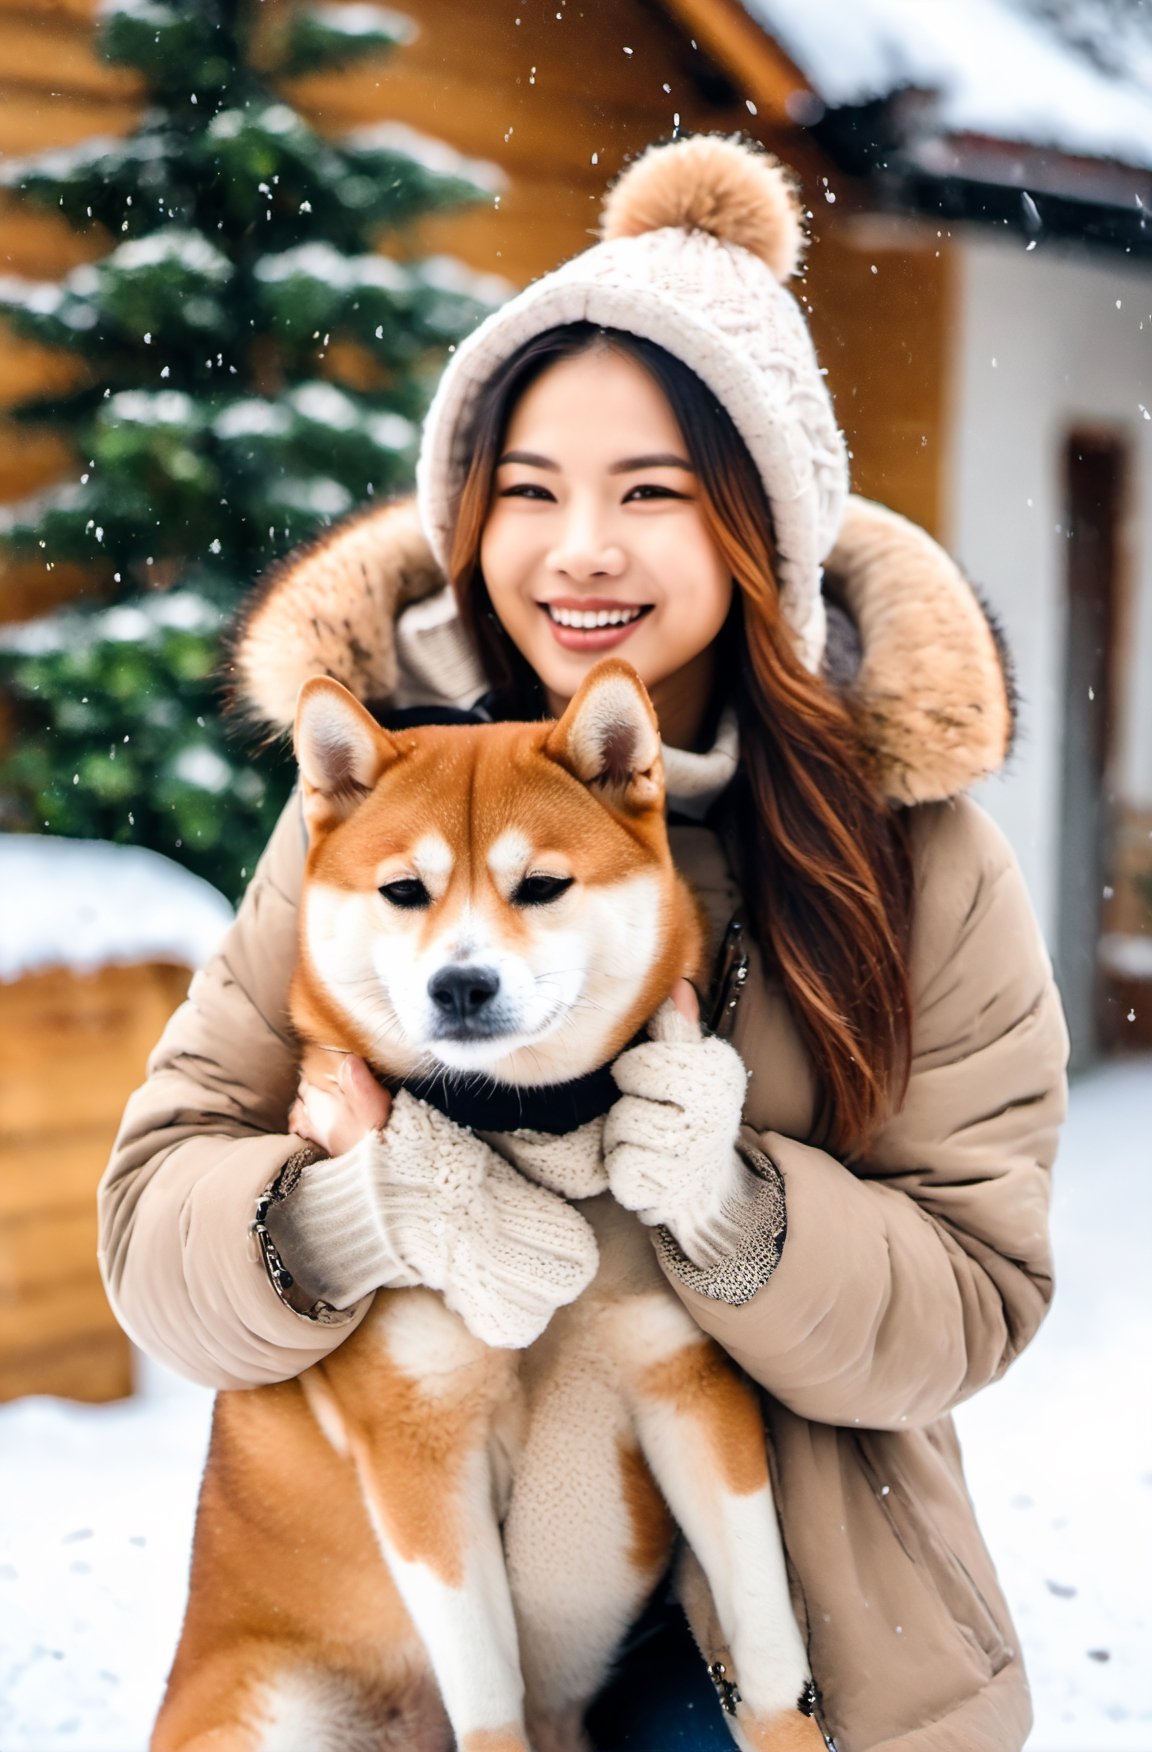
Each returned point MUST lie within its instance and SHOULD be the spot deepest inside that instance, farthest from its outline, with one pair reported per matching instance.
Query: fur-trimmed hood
(913, 650)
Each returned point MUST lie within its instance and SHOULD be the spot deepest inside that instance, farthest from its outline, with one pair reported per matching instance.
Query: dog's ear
(341, 750)
(609, 738)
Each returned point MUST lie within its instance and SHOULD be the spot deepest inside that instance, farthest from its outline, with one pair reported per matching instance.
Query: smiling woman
(595, 539)
(593, 535)
(638, 454)
(605, 478)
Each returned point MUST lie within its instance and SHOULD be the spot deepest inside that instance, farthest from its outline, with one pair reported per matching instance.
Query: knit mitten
(425, 1201)
(570, 1163)
(669, 1141)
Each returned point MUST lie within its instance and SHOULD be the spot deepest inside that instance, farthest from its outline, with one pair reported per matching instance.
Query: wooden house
(979, 288)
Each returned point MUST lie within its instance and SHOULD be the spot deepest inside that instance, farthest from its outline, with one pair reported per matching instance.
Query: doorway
(1095, 470)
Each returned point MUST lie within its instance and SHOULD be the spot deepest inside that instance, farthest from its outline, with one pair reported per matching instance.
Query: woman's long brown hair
(824, 862)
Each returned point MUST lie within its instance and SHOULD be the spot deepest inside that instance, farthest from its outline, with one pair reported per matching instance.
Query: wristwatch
(292, 1294)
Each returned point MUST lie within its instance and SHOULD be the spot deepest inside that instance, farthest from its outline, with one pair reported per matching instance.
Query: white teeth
(586, 619)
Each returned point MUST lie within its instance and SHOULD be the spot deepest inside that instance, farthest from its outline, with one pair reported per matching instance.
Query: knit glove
(424, 1201)
(570, 1163)
(669, 1142)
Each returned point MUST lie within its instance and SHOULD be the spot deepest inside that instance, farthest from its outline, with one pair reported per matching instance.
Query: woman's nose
(585, 548)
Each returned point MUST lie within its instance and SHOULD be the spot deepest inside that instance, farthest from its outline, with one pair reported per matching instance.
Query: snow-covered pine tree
(253, 368)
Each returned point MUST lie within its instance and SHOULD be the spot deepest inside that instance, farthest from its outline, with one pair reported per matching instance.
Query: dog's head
(494, 898)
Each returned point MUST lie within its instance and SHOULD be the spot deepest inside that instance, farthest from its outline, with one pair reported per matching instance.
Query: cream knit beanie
(698, 237)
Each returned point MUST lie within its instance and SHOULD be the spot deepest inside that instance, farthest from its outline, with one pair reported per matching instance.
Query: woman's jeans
(660, 1698)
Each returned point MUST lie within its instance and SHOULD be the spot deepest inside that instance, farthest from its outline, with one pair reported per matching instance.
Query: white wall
(1049, 338)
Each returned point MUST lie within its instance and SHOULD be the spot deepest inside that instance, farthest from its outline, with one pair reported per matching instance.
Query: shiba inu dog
(427, 1540)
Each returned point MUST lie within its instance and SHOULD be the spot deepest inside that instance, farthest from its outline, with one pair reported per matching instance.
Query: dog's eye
(539, 890)
(408, 891)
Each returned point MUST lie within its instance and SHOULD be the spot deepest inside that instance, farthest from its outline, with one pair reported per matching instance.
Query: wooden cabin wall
(555, 94)
(881, 311)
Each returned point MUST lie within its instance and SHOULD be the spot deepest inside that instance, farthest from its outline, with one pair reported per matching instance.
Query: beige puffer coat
(904, 1285)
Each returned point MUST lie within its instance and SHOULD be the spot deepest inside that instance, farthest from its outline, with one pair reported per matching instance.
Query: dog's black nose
(462, 993)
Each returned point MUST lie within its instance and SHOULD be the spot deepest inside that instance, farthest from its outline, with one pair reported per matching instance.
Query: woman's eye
(651, 490)
(525, 490)
(408, 891)
(539, 890)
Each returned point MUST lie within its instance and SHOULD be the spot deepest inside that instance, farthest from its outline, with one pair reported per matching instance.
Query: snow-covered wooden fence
(72, 1048)
(96, 942)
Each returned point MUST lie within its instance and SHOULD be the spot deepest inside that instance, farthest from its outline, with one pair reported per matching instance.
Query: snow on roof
(997, 67)
(81, 904)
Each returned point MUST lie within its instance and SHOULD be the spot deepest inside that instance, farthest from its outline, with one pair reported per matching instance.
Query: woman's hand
(669, 1141)
(420, 1200)
(683, 997)
(337, 1117)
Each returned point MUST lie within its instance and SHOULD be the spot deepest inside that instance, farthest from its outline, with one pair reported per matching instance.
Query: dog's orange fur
(284, 1561)
(474, 782)
(287, 1572)
(702, 1386)
(651, 1524)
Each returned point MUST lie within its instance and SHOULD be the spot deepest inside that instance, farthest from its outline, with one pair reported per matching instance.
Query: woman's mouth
(593, 626)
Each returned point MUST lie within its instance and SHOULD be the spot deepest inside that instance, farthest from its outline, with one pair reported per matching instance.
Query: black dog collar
(555, 1108)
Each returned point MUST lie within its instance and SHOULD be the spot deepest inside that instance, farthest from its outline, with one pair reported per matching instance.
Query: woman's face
(595, 539)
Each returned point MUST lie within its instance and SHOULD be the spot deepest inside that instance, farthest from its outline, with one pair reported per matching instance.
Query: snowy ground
(1059, 1454)
(100, 1500)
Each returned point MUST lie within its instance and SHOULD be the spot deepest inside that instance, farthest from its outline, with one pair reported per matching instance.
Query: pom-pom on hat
(697, 239)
